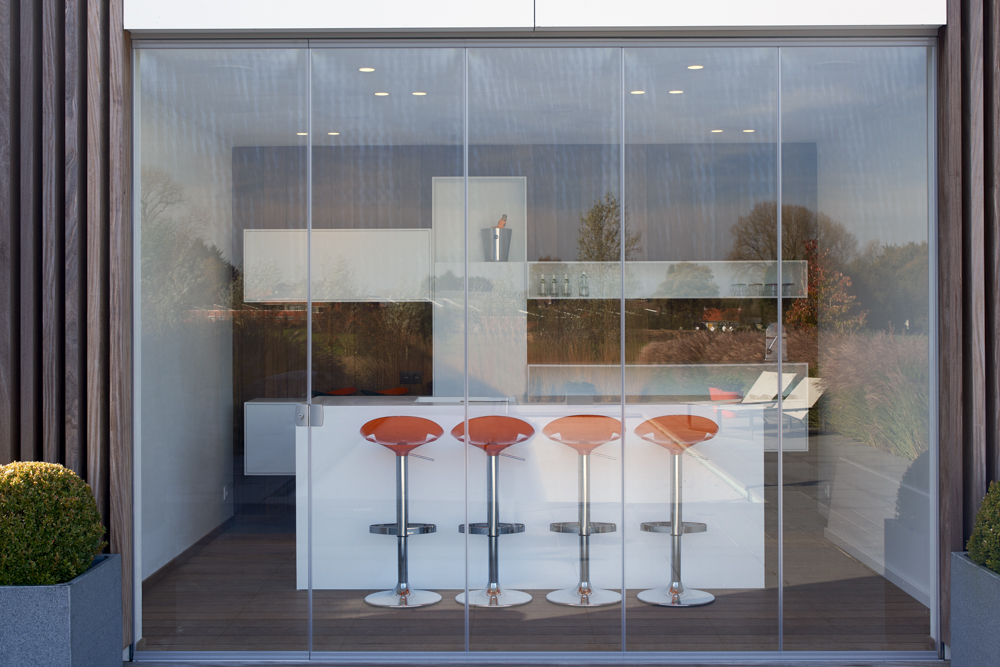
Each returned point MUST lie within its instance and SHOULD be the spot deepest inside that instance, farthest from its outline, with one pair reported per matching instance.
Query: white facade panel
(377, 15)
(311, 15)
(596, 14)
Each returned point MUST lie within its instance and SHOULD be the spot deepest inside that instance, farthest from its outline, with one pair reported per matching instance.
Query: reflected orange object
(494, 433)
(395, 391)
(677, 432)
(401, 434)
(584, 433)
(721, 395)
(346, 391)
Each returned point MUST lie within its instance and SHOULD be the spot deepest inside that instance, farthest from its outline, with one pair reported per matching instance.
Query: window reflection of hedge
(180, 272)
(877, 389)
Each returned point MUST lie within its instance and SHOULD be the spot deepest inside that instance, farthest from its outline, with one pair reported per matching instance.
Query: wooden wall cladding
(65, 250)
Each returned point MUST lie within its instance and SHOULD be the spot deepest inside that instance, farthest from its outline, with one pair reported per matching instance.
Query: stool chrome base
(582, 596)
(665, 597)
(494, 596)
(410, 600)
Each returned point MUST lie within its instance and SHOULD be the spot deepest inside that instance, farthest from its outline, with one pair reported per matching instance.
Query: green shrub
(50, 529)
(984, 545)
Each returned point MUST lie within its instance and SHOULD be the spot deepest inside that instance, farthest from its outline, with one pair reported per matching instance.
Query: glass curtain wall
(534, 349)
(702, 366)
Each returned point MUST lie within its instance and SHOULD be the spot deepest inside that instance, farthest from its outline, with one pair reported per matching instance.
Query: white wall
(377, 15)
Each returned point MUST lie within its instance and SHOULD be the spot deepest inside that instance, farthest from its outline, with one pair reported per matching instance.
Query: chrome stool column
(584, 433)
(402, 435)
(676, 433)
(493, 434)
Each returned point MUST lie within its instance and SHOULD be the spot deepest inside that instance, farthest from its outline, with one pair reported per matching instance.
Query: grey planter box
(76, 624)
(975, 613)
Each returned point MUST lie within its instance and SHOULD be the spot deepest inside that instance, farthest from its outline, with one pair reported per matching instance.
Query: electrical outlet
(411, 377)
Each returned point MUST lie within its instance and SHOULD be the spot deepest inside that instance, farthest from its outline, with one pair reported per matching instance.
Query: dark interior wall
(683, 198)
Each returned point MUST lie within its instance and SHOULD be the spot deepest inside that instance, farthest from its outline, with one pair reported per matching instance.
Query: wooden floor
(237, 593)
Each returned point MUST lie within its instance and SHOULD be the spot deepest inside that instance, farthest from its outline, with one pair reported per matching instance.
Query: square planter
(75, 624)
(975, 613)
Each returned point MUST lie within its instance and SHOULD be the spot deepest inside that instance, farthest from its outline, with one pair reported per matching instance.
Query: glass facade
(548, 349)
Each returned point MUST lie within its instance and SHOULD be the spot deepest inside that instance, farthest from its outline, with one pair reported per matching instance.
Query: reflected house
(277, 229)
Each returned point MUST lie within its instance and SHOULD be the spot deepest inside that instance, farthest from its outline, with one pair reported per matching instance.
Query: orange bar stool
(584, 433)
(493, 434)
(676, 433)
(402, 435)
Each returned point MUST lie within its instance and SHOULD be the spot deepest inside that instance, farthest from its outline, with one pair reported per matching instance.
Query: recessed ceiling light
(381, 94)
(419, 94)
(366, 69)
(333, 134)
(748, 130)
(638, 92)
(675, 92)
(302, 134)
(696, 67)
(716, 131)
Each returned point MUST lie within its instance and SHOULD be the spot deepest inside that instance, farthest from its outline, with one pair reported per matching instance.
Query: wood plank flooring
(237, 593)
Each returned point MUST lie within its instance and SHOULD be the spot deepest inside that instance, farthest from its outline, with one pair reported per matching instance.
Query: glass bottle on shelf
(541, 285)
(566, 291)
(554, 287)
(584, 286)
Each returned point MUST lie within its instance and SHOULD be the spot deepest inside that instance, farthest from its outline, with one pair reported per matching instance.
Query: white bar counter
(354, 486)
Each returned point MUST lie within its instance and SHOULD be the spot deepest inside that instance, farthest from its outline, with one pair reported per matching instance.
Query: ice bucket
(496, 244)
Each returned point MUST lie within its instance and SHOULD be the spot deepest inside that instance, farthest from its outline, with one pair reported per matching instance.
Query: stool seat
(584, 433)
(401, 434)
(676, 433)
(494, 433)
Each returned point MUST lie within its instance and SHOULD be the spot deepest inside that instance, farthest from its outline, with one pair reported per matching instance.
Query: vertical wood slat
(120, 302)
(30, 230)
(973, 260)
(97, 256)
(991, 174)
(9, 264)
(74, 239)
(53, 194)
(950, 289)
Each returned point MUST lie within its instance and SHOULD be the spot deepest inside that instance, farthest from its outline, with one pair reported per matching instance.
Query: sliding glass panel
(544, 373)
(387, 276)
(702, 289)
(220, 348)
(858, 511)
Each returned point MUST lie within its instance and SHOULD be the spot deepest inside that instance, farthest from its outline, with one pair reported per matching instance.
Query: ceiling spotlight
(716, 131)
(675, 92)
(334, 134)
(696, 67)
(748, 131)
(366, 69)
(302, 134)
(381, 94)
(638, 92)
(418, 94)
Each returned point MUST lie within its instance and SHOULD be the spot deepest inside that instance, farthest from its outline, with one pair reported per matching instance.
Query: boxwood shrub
(984, 545)
(50, 529)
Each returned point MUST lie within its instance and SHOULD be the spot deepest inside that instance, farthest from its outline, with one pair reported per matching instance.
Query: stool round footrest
(411, 529)
(665, 527)
(574, 527)
(484, 528)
